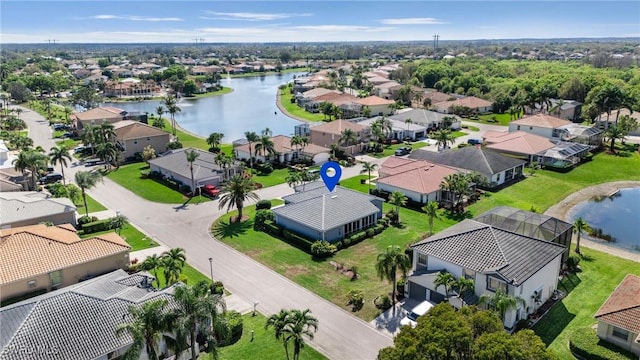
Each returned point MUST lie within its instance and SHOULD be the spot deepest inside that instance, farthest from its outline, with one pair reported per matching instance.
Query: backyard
(194, 141)
(295, 111)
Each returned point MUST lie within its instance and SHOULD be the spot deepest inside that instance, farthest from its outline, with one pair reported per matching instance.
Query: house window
(135, 141)
(518, 127)
(422, 259)
(469, 274)
(494, 284)
(31, 284)
(620, 333)
(55, 277)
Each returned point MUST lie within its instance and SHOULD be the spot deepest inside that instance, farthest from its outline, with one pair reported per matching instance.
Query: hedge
(587, 345)
(263, 205)
(297, 240)
(322, 249)
(95, 226)
(233, 321)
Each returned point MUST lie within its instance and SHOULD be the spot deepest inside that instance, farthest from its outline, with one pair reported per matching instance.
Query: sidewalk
(141, 255)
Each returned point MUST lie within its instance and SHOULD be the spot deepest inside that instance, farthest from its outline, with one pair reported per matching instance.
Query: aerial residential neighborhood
(254, 180)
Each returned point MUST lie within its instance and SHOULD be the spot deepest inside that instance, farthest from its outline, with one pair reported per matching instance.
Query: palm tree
(67, 112)
(107, 132)
(278, 322)
(578, 227)
(347, 137)
(462, 285)
(176, 254)
(108, 152)
(294, 178)
(30, 160)
(214, 140)
(196, 308)
(299, 324)
(171, 103)
(408, 122)
(266, 132)
(152, 263)
(87, 180)
(251, 138)
(368, 167)
(149, 321)
(500, 302)
(366, 111)
(397, 199)
(88, 136)
(431, 209)
(237, 191)
(613, 133)
(443, 138)
(296, 141)
(118, 222)
(160, 111)
(192, 155)
(445, 279)
(265, 146)
(389, 262)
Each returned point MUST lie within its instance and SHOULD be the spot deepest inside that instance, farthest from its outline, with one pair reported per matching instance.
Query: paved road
(340, 335)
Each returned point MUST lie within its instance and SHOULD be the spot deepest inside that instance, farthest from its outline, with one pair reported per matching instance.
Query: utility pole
(436, 39)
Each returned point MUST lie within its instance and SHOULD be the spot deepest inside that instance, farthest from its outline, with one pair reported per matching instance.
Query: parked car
(92, 162)
(211, 190)
(474, 141)
(419, 310)
(50, 178)
(402, 151)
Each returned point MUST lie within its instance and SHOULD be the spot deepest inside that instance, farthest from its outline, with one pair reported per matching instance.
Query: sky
(99, 21)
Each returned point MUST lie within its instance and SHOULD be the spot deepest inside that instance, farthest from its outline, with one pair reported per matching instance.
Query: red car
(211, 190)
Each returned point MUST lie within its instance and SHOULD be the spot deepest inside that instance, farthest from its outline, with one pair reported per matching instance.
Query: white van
(416, 312)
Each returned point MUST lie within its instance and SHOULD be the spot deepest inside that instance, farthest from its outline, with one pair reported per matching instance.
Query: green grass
(194, 141)
(224, 90)
(294, 110)
(457, 134)
(93, 205)
(501, 119)
(471, 127)
(191, 275)
(389, 150)
(131, 235)
(264, 344)
(128, 176)
(276, 177)
(354, 183)
(69, 143)
(601, 273)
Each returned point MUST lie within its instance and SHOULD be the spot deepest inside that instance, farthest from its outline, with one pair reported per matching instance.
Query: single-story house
(134, 136)
(40, 257)
(418, 180)
(494, 259)
(284, 152)
(496, 168)
(24, 208)
(399, 129)
(377, 105)
(97, 116)
(333, 98)
(206, 171)
(619, 316)
(605, 120)
(436, 97)
(80, 321)
(329, 133)
(528, 223)
(429, 119)
(540, 124)
(319, 214)
(476, 104)
(11, 180)
(519, 143)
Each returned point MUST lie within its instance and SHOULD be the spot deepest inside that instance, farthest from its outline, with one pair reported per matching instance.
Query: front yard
(389, 150)
(131, 235)
(276, 177)
(93, 205)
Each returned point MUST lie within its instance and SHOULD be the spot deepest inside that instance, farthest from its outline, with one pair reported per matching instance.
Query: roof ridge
(24, 320)
(616, 310)
(497, 242)
(456, 234)
(484, 157)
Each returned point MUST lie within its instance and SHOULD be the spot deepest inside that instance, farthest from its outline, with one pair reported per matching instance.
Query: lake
(250, 107)
(617, 215)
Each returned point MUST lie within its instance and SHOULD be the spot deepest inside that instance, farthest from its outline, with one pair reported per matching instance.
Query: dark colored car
(402, 151)
(51, 178)
(211, 190)
(474, 141)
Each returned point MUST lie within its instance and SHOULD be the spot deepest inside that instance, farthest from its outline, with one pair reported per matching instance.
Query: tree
(86, 97)
(446, 280)
(152, 263)
(192, 155)
(579, 225)
(627, 124)
(214, 140)
(237, 190)
(443, 138)
(266, 146)
(278, 322)
(397, 199)
(300, 323)
(296, 141)
(159, 111)
(388, 263)
(347, 137)
(30, 160)
(266, 132)
(366, 111)
(87, 180)
(613, 133)
(171, 104)
(108, 152)
(408, 122)
(60, 155)
(118, 222)
(148, 153)
(431, 209)
(457, 185)
(251, 138)
(462, 285)
(500, 302)
(368, 167)
(294, 177)
(149, 322)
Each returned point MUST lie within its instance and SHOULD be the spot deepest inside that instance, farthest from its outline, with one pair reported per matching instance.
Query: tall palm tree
(500, 302)
(67, 112)
(296, 141)
(397, 199)
(304, 141)
(300, 323)
(278, 322)
(196, 308)
(152, 263)
(431, 209)
(171, 269)
(160, 111)
(251, 138)
(443, 138)
(237, 190)
(176, 254)
(613, 133)
(88, 136)
(266, 132)
(579, 225)
(445, 279)
(87, 180)
(389, 262)
(30, 160)
(149, 322)
(192, 155)
(408, 122)
(265, 146)
(107, 151)
(368, 167)
(107, 132)
(348, 137)
(214, 139)
(463, 285)
(171, 103)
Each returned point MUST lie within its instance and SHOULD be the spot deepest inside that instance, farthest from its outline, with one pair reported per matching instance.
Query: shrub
(263, 204)
(297, 240)
(322, 249)
(338, 245)
(84, 220)
(392, 215)
(346, 242)
(233, 322)
(262, 217)
(95, 226)
(356, 299)
(572, 262)
(357, 237)
(383, 302)
(217, 288)
(378, 229)
(370, 232)
(272, 229)
(383, 221)
(174, 145)
(585, 343)
(265, 168)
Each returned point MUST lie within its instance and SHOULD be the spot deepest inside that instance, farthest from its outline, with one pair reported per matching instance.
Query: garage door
(436, 297)
(417, 292)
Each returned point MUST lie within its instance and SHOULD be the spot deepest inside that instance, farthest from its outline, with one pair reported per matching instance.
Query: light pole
(211, 267)
(255, 304)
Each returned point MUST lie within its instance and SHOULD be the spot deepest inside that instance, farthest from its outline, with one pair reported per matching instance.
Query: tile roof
(469, 101)
(318, 92)
(38, 249)
(541, 120)
(176, 161)
(470, 158)
(24, 205)
(100, 113)
(323, 210)
(396, 125)
(483, 248)
(622, 308)
(129, 129)
(77, 322)
(422, 116)
(436, 97)
(336, 99)
(282, 144)
(373, 101)
(337, 126)
(520, 142)
(424, 179)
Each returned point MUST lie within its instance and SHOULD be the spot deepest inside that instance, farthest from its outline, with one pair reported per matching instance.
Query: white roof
(24, 205)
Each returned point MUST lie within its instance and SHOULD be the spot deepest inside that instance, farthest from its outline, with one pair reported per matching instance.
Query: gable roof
(337, 126)
(99, 113)
(541, 120)
(130, 129)
(335, 98)
(78, 321)
(519, 142)
(470, 158)
(622, 308)
(38, 249)
(319, 91)
(486, 249)
(24, 205)
(423, 178)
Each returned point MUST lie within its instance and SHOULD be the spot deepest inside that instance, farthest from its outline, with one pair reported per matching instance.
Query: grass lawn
(128, 176)
(224, 90)
(295, 110)
(189, 140)
(354, 183)
(93, 205)
(389, 150)
(132, 236)
(471, 127)
(589, 290)
(275, 178)
(457, 134)
(192, 275)
(501, 119)
(264, 344)
(69, 143)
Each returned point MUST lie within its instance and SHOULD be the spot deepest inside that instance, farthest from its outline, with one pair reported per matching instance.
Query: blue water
(250, 107)
(618, 216)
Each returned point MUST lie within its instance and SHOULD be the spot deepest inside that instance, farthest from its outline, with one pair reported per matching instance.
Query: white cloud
(341, 28)
(413, 21)
(246, 16)
(133, 18)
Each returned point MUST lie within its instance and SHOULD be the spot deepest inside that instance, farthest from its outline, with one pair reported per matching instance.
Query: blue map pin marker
(330, 181)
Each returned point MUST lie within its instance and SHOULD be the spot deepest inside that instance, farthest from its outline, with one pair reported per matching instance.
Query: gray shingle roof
(77, 322)
(339, 207)
(23, 205)
(483, 248)
(422, 116)
(176, 161)
(470, 158)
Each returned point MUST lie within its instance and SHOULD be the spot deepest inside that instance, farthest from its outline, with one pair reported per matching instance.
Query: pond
(250, 107)
(617, 215)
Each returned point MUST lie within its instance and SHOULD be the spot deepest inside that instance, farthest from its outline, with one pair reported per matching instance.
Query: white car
(416, 312)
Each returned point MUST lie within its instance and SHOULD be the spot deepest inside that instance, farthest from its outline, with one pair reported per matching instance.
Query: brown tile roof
(336, 99)
(417, 175)
(374, 100)
(542, 120)
(99, 114)
(337, 126)
(622, 308)
(282, 144)
(129, 129)
(319, 92)
(38, 249)
(437, 97)
(520, 142)
(470, 102)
